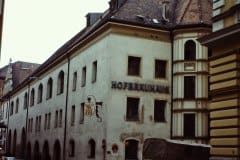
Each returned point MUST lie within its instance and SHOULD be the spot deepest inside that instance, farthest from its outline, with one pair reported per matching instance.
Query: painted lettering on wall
(140, 87)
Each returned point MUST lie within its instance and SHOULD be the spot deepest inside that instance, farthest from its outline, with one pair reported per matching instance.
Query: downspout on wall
(66, 106)
(172, 50)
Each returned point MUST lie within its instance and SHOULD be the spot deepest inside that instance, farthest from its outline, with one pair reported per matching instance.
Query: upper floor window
(25, 101)
(39, 123)
(134, 66)
(132, 109)
(131, 149)
(74, 86)
(49, 121)
(190, 50)
(94, 71)
(189, 87)
(84, 74)
(11, 108)
(17, 105)
(32, 97)
(45, 121)
(92, 148)
(60, 118)
(159, 111)
(56, 119)
(60, 83)
(73, 115)
(82, 113)
(40, 93)
(160, 68)
(49, 88)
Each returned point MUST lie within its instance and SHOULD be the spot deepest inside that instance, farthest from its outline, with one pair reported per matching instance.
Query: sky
(34, 29)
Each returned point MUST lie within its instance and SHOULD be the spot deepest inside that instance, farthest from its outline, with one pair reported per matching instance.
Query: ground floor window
(131, 149)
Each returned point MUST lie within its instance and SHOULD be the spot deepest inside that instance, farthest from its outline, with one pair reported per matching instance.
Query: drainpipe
(7, 146)
(171, 39)
(27, 120)
(66, 106)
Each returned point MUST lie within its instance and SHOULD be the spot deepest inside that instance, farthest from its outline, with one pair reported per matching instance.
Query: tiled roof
(179, 12)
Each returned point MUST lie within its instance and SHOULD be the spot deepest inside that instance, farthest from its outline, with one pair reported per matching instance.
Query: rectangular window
(45, 122)
(74, 86)
(189, 87)
(49, 121)
(39, 123)
(36, 124)
(132, 109)
(60, 118)
(73, 116)
(31, 125)
(159, 111)
(82, 113)
(134, 66)
(160, 68)
(56, 119)
(94, 71)
(189, 125)
(84, 73)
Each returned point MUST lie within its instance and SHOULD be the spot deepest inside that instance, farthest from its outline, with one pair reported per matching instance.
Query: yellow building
(224, 79)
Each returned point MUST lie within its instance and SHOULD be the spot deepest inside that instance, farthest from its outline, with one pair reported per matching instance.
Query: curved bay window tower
(190, 87)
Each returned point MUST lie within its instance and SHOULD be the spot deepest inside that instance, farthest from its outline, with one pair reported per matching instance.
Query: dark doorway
(57, 151)
(23, 143)
(189, 125)
(45, 152)
(14, 142)
(29, 151)
(131, 149)
(9, 142)
(36, 155)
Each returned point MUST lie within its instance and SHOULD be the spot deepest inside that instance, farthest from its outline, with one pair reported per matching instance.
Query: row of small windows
(133, 108)
(134, 67)
(60, 88)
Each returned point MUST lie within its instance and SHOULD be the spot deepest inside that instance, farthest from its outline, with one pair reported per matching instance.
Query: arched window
(131, 149)
(11, 108)
(190, 50)
(56, 119)
(25, 101)
(74, 86)
(32, 97)
(92, 148)
(71, 148)
(49, 88)
(17, 105)
(60, 118)
(60, 84)
(40, 93)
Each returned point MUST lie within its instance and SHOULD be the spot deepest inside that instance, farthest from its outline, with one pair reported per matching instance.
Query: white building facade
(108, 89)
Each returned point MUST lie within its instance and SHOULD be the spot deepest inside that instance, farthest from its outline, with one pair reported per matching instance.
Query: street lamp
(92, 103)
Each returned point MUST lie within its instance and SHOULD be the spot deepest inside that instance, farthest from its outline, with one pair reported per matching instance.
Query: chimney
(165, 5)
(92, 18)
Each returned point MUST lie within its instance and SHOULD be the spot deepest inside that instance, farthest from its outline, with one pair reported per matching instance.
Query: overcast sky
(34, 29)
